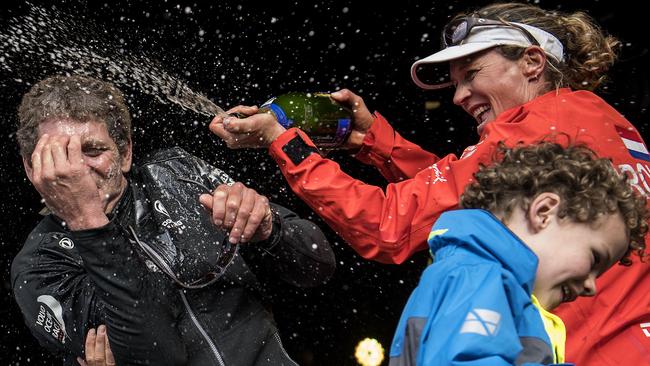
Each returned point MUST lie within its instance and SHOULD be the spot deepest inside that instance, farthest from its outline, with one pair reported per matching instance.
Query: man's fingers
(47, 163)
(219, 204)
(232, 204)
(60, 153)
(91, 337)
(37, 157)
(97, 349)
(100, 341)
(74, 150)
(244, 211)
(206, 200)
(237, 209)
(260, 211)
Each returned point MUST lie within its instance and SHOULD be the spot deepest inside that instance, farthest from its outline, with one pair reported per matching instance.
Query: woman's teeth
(480, 110)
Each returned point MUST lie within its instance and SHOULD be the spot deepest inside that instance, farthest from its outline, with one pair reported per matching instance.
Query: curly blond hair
(588, 51)
(589, 187)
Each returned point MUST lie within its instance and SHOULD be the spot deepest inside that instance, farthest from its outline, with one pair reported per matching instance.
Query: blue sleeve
(474, 324)
(460, 316)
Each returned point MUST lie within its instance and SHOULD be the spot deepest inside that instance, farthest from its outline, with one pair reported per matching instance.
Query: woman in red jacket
(524, 74)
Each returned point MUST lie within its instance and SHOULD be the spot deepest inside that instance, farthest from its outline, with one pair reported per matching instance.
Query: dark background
(239, 53)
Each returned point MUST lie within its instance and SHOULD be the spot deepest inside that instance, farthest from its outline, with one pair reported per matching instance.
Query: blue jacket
(473, 306)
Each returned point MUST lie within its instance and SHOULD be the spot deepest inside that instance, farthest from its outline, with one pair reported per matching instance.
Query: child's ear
(543, 210)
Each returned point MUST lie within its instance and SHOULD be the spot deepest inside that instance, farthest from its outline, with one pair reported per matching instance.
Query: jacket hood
(480, 232)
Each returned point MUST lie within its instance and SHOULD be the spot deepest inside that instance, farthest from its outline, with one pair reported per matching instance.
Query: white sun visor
(484, 37)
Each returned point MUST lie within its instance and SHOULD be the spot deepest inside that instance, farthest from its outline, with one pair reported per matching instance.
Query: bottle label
(279, 115)
(343, 129)
(327, 123)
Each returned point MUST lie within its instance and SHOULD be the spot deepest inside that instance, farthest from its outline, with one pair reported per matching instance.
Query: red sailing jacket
(390, 225)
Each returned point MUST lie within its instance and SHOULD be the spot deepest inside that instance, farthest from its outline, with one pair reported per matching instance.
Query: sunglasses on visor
(458, 30)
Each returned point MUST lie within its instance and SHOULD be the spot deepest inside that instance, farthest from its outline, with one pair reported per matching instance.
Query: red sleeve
(395, 157)
(387, 226)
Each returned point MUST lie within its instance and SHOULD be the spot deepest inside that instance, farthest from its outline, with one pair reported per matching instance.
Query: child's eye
(596, 257)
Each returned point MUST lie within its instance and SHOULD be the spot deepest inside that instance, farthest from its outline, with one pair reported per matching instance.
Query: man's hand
(98, 351)
(241, 210)
(256, 130)
(362, 118)
(59, 174)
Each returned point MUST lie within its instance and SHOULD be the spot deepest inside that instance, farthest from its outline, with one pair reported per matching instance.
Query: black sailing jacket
(162, 277)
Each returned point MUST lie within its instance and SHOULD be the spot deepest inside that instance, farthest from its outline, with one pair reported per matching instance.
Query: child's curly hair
(588, 186)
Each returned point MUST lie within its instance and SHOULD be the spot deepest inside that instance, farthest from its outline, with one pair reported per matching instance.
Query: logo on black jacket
(66, 243)
(50, 317)
(158, 206)
(168, 223)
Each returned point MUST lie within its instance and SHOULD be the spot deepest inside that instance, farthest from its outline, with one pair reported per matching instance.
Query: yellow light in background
(431, 105)
(369, 352)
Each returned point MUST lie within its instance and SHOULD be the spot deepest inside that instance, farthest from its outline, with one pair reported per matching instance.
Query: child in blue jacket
(538, 228)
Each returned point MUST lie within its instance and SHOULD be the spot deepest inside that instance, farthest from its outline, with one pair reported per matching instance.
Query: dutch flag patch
(633, 143)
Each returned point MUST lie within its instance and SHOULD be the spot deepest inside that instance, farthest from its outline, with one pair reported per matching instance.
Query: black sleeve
(108, 287)
(297, 250)
(57, 299)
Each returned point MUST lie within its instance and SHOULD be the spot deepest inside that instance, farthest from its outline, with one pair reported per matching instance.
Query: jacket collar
(516, 113)
(480, 232)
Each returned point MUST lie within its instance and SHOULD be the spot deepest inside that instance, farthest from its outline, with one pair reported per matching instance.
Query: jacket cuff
(295, 144)
(270, 245)
(378, 143)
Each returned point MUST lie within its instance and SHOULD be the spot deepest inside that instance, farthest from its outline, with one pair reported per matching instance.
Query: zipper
(213, 347)
(276, 335)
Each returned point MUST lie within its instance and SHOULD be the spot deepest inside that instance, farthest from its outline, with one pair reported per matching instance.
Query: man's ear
(543, 209)
(27, 164)
(127, 158)
(533, 62)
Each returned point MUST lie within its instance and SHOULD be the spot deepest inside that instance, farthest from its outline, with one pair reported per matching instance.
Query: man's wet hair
(77, 98)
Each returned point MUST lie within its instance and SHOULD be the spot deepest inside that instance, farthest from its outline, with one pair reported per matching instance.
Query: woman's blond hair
(588, 52)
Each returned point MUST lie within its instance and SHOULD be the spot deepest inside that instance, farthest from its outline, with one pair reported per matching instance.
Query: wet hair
(588, 52)
(589, 187)
(78, 98)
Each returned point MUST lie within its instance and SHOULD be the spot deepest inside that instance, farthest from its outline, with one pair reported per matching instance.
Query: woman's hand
(362, 118)
(254, 130)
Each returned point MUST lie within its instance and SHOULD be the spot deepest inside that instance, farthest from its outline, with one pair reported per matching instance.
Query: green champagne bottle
(324, 120)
